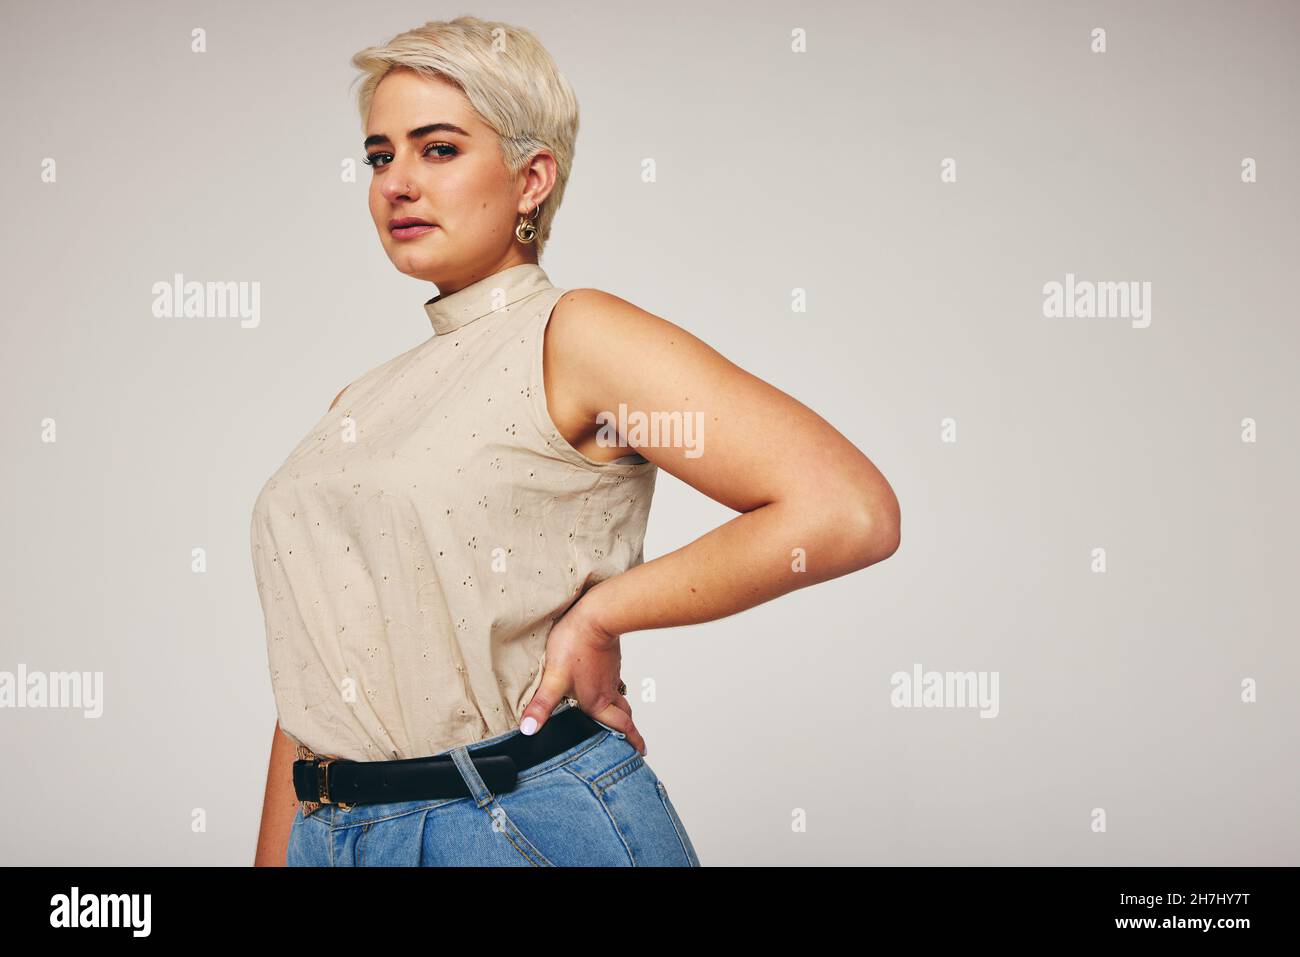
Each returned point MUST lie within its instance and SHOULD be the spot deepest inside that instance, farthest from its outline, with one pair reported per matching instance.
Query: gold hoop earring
(526, 231)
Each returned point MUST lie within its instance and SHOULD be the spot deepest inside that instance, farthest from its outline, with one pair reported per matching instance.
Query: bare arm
(813, 507)
(279, 803)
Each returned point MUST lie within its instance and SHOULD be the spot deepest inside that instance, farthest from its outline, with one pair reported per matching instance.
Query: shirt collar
(487, 295)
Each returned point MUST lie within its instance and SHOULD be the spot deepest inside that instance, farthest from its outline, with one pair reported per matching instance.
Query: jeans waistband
(334, 816)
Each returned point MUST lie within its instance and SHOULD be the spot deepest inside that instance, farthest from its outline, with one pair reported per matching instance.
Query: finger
(554, 686)
(619, 717)
(635, 735)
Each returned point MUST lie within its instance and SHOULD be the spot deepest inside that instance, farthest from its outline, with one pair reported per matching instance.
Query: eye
(373, 159)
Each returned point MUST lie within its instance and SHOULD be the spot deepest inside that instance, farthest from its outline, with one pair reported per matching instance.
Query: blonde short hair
(507, 76)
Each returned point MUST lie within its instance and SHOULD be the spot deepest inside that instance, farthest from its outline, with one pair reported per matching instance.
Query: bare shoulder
(602, 350)
(584, 311)
(596, 330)
(762, 443)
(596, 345)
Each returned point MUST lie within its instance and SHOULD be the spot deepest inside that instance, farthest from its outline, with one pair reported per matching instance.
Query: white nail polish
(528, 725)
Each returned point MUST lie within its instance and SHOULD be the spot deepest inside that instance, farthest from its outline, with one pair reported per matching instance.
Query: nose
(397, 184)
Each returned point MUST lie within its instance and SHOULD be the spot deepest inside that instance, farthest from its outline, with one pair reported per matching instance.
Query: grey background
(776, 171)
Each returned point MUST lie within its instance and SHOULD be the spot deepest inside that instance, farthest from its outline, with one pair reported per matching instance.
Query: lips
(410, 227)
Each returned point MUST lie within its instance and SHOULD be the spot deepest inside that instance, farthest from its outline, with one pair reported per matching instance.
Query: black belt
(345, 783)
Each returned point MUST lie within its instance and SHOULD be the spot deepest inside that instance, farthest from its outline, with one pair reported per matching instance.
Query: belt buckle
(322, 784)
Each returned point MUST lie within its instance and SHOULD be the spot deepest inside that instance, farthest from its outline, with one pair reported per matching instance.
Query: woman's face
(451, 175)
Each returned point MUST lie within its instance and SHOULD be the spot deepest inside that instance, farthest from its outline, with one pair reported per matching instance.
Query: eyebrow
(415, 134)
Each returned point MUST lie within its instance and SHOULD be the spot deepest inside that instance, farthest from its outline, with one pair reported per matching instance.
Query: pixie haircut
(508, 78)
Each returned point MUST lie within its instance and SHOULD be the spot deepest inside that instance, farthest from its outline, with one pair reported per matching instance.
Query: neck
(450, 283)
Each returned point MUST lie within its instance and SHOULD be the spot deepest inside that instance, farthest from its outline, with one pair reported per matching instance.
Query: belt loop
(473, 780)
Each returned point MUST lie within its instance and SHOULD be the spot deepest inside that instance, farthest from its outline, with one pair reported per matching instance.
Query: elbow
(860, 529)
(878, 527)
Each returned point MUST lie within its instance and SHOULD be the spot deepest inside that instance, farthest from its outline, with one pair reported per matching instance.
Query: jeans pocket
(292, 855)
(639, 810)
(308, 843)
(504, 826)
(673, 816)
(617, 734)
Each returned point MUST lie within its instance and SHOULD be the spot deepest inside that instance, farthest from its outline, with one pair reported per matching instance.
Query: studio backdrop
(1035, 259)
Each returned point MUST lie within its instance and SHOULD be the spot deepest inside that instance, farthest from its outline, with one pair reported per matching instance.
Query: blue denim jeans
(597, 804)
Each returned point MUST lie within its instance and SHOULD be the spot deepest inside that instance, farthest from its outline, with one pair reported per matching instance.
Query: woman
(448, 559)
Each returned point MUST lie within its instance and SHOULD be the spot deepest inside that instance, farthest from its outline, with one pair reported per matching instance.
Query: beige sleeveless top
(414, 549)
